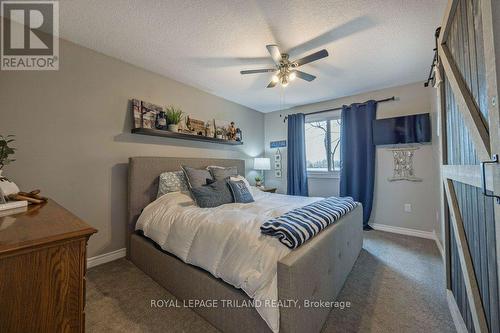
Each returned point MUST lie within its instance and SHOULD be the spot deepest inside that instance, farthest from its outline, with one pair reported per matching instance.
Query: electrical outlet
(408, 208)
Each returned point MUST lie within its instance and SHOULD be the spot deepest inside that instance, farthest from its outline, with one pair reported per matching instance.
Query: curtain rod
(393, 98)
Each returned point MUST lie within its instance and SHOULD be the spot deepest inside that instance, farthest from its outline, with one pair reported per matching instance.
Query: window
(323, 145)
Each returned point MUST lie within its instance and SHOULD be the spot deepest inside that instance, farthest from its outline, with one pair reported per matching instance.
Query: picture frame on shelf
(144, 114)
(221, 128)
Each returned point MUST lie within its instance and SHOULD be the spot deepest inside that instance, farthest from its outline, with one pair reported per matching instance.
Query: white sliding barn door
(470, 135)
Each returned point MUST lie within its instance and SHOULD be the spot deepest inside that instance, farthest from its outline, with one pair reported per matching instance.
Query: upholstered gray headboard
(143, 175)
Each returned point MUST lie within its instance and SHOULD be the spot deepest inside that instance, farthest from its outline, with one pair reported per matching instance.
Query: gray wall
(390, 197)
(73, 133)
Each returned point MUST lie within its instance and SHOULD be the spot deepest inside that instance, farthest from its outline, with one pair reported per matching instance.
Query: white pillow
(173, 181)
(239, 177)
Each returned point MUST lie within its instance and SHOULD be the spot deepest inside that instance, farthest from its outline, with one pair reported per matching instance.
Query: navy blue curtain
(357, 152)
(296, 161)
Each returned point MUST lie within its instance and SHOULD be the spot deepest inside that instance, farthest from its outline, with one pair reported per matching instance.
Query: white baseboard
(403, 231)
(106, 257)
(438, 243)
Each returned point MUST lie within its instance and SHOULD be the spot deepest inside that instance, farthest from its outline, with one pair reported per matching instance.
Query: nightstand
(267, 189)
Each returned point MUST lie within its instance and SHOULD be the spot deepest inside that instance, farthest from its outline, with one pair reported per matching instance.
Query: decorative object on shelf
(197, 127)
(161, 120)
(231, 132)
(209, 129)
(239, 135)
(174, 117)
(261, 163)
(403, 164)
(222, 128)
(144, 114)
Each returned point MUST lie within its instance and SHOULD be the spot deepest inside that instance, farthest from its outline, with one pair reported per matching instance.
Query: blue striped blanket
(295, 227)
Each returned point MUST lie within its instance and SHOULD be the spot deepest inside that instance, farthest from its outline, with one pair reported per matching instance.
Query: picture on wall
(144, 114)
(277, 173)
(277, 164)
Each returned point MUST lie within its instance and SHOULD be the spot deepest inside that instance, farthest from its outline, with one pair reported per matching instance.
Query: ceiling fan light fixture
(275, 78)
(284, 81)
(292, 76)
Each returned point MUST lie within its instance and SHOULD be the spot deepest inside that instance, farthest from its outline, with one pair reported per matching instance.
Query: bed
(315, 271)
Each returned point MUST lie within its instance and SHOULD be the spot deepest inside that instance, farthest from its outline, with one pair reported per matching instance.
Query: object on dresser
(6, 153)
(32, 197)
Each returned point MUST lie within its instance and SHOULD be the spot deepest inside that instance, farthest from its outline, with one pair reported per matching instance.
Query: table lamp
(261, 163)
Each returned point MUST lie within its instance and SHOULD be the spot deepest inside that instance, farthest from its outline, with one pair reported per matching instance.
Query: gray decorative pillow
(220, 173)
(212, 195)
(195, 177)
(173, 181)
(240, 191)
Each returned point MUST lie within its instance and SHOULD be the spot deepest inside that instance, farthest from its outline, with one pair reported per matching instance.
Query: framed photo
(144, 114)
(277, 173)
(277, 157)
(221, 128)
(277, 164)
(136, 114)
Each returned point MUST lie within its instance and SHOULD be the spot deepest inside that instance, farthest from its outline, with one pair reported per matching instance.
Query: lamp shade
(262, 163)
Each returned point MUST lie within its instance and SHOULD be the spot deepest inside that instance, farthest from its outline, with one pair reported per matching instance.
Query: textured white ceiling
(373, 44)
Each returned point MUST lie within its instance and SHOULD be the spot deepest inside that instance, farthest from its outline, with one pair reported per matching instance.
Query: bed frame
(315, 271)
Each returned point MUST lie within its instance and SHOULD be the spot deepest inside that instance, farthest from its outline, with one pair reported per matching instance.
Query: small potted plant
(219, 133)
(258, 181)
(6, 151)
(174, 117)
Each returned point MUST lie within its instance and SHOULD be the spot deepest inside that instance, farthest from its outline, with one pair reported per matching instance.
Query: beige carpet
(397, 285)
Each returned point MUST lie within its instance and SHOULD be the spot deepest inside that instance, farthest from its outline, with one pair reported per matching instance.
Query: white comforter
(226, 240)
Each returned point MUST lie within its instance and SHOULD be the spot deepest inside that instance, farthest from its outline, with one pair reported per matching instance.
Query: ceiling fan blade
(254, 71)
(304, 76)
(275, 53)
(310, 58)
(272, 84)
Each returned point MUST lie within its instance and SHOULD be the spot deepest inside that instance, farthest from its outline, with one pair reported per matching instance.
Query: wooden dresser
(42, 270)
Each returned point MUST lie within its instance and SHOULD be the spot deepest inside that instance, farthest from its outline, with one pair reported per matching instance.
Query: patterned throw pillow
(173, 181)
(219, 173)
(241, 192)
(239, 177)
(195, 177)
(212, 195)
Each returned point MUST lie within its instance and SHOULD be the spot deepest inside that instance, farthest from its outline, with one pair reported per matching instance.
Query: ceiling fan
(285, 70)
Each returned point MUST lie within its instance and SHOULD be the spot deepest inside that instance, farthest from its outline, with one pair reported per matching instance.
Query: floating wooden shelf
(183, 136)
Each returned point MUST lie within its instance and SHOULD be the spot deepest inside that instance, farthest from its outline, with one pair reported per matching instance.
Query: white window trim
(323, 174)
